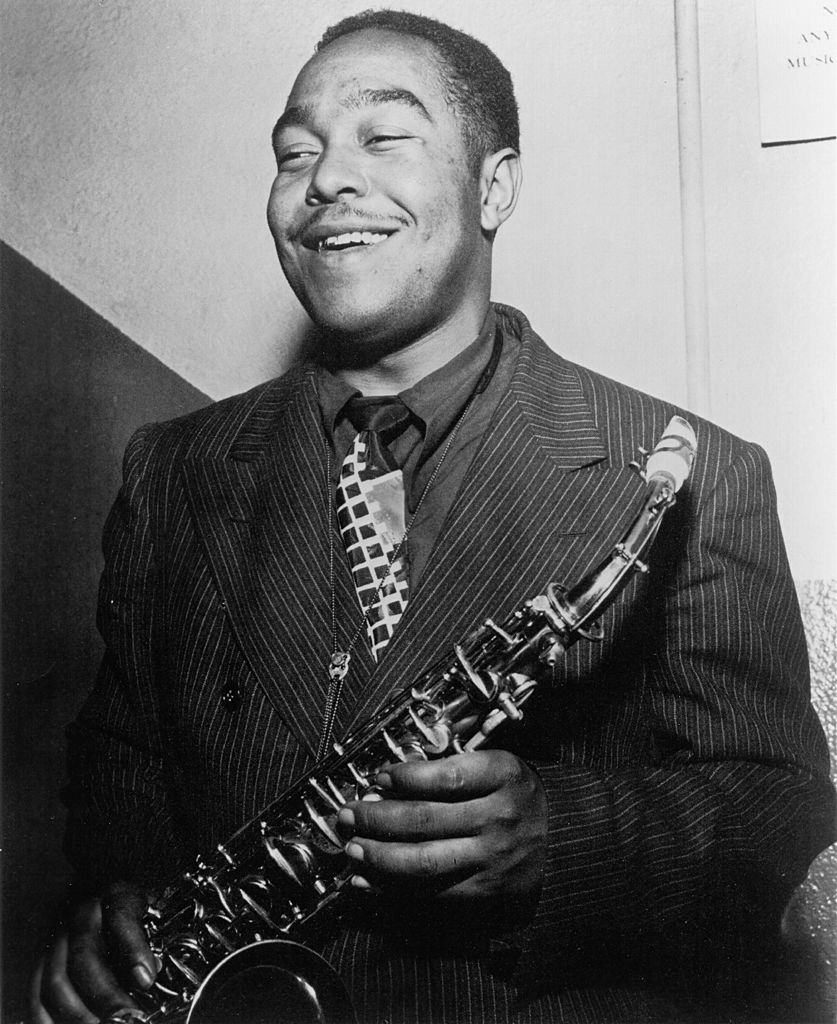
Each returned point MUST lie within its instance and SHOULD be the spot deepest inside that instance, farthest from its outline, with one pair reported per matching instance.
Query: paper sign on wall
(796, 69)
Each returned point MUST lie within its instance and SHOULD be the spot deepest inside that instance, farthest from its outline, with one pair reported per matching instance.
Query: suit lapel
(540, 502)
(262, 511)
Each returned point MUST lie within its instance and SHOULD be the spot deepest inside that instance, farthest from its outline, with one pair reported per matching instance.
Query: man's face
(374, 210)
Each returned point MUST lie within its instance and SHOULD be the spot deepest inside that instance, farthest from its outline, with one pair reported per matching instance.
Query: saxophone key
(255, 892)
(492, 721)
(437, 735)
(218, 937)
(322, 824)
(225, 854)
(184, 959)
(213, 886)
(336, 791)
(552, 650)
(291, 858)
(357, 775)
(393, 746)
(325, 796)
(421, 695)
(522, 686)
(414, 750)
(509, 708)
(507, 638)
(481, 689)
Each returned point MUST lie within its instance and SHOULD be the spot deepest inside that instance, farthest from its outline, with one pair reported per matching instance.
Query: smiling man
(383, 215)
(279, 564)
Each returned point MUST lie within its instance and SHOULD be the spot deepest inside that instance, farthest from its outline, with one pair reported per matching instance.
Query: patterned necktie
(370, 514)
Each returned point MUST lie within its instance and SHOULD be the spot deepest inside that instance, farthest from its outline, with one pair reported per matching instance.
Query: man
(649, 823)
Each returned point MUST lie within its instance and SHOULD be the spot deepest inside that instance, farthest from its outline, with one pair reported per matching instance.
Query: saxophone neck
(580, 607)
(664, 472)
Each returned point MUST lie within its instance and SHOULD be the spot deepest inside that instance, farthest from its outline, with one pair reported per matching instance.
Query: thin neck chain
(340, 659)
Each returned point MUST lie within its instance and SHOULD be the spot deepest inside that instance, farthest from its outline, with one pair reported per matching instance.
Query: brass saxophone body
(286, 867)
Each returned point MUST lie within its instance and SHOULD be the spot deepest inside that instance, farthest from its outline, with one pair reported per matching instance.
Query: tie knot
(387, 416)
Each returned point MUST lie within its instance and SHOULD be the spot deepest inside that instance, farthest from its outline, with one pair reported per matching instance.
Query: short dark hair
(475, 81)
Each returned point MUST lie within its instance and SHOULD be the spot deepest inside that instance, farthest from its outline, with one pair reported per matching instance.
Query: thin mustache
(335, 214)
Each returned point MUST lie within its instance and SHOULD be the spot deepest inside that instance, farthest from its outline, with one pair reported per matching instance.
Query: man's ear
(499, 187)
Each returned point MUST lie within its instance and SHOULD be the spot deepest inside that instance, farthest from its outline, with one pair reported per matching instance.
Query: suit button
(231, 697)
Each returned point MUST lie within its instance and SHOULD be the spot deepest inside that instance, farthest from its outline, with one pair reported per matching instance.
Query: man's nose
(336, 175)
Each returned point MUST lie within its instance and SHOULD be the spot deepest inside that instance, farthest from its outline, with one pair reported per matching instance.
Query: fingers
(437, 866)
(469, 825)
(456, 778)
(90, 969)
(37, 1012)
(123, 907)
(455, 797)
(101, 953)
(54, 997)
(410, 820)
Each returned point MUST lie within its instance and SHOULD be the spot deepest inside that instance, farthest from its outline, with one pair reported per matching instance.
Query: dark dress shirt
(437, 403)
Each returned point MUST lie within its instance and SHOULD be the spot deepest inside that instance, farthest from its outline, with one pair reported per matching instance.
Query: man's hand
(468, 827)
(100, 951)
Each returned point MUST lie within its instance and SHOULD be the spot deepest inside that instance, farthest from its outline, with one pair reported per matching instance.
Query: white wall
(139, 168)
(770, 227)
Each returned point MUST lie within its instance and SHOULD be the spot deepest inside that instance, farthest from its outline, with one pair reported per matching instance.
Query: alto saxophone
(241, 906)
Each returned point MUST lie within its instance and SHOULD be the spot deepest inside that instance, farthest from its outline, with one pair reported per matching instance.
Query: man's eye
(383, 140)
(294, 158)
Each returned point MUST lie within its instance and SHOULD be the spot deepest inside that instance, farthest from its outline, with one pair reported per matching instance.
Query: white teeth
(351, 238)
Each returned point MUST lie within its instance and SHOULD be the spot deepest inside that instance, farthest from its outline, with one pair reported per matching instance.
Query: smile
(350, 240)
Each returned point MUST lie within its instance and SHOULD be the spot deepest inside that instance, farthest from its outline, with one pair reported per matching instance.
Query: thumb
(123, 908)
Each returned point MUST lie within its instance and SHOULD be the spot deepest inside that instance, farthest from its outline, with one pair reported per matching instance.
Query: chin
(355, 346)
(358, 337)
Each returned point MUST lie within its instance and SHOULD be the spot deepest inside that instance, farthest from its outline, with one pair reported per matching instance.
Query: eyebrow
(294, 117)
(378, 97)
(302, 115)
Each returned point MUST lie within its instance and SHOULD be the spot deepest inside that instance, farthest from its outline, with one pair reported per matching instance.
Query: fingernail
(142, 976)
(384, 780)
(346, 818)
(359, 882)
(355, 851)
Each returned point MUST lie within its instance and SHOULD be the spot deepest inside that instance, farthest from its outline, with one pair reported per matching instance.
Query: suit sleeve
(686, 857)
(120, 824)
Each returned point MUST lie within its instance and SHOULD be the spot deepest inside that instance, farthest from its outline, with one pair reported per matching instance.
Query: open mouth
(350, 240)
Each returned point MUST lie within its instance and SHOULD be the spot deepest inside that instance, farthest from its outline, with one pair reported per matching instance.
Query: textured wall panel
(811, 919)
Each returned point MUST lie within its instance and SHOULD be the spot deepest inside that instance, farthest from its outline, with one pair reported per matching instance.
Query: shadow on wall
(73, 391)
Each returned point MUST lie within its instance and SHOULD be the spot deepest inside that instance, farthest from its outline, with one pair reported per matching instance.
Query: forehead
(371, 61)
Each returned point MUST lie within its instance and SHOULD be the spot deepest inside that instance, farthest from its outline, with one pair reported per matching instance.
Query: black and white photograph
(419, 488)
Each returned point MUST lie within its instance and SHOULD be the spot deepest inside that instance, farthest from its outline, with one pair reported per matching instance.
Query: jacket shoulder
(627, 417)
(220, 427)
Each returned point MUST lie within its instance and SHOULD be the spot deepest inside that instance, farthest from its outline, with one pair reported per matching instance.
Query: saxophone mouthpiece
(673, 455)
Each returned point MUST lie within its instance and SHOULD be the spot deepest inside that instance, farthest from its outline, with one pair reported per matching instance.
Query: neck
(398, 370)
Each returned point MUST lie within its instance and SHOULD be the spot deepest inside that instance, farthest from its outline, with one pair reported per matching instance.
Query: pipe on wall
(692, 206)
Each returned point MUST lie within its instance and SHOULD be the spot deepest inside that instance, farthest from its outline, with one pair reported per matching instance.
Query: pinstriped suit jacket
(686, 773)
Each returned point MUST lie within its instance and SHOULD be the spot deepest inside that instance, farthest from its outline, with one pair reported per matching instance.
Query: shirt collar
(434, 401)
(437, 398)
